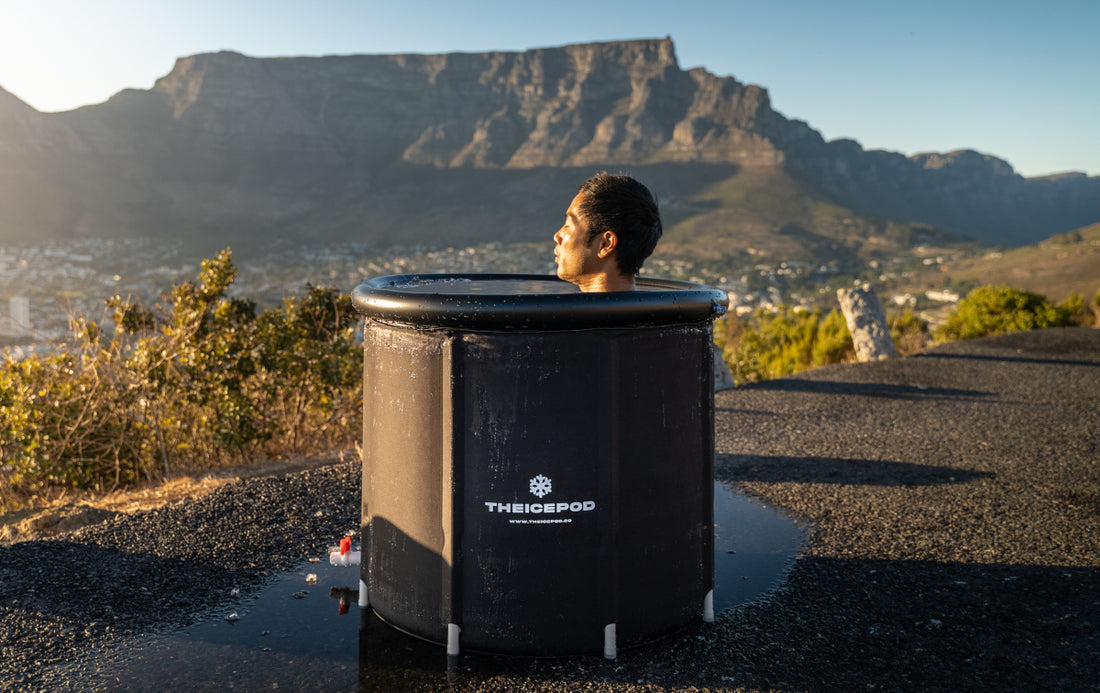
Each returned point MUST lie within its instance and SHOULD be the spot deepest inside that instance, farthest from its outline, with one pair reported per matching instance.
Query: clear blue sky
(1020, 80)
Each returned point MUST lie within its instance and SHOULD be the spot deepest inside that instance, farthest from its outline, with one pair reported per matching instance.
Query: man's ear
(608, 242)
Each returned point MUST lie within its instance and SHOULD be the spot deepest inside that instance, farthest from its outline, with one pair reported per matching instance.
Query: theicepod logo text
(545, 508)
(540, 486)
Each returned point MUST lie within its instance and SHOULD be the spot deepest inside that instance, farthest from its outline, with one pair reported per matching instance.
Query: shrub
(772, 344)
(909, 332)
(1078, 309)
(195, 380)
(996, 309)
(769, 344)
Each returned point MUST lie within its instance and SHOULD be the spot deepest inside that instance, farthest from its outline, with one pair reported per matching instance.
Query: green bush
(1079, 311)
(193, 381)
(772, 344)
(997, 309)
(909, 332)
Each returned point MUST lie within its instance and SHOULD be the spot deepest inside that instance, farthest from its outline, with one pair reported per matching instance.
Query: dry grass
(66, 511)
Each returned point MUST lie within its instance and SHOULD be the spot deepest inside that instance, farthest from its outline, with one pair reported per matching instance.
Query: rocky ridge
(229, 144)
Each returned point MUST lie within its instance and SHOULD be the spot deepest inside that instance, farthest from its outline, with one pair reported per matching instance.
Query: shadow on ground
(831, 470)
(829, 387)
(876, 625)
(1008, 359)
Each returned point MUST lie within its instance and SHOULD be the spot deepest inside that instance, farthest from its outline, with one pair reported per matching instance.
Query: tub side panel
(534, 496)
(665, 537)
(403, 445)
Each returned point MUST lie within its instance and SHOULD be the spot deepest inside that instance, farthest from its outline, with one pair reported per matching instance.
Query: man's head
(611, 227)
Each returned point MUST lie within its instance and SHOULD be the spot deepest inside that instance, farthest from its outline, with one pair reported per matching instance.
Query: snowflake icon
(540, 486)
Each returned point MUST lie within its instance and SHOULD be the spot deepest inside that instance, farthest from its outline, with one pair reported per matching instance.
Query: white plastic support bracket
(364, 598)
(708, 607)
(609, 648)
(346, 559)
(452, 639)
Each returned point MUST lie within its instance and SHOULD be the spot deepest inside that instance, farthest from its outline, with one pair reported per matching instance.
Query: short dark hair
(619, 203)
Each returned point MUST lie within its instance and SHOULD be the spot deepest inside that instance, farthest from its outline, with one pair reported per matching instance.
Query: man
(611, 227)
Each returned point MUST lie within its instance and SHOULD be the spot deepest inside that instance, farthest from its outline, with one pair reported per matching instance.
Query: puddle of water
(754, 546)
(292, 635)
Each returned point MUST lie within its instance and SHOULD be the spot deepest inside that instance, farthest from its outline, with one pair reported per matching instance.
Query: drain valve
(343, 555)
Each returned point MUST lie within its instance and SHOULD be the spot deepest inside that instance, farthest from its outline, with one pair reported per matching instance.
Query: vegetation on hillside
(194, 381)
(997, 309)
(766, 215)
(1062, 265)
(770, 344)
(773, 344)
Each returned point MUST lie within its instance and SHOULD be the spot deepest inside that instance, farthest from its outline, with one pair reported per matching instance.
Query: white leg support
(609, 649)
(364, 598)
(452, 639)
(708, 607)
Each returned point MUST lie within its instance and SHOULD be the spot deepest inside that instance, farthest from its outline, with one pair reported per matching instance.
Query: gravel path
(954, 498)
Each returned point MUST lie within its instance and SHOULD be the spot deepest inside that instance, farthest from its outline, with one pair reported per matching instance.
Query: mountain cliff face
(970, 193)
(616, 103)
(377, 146)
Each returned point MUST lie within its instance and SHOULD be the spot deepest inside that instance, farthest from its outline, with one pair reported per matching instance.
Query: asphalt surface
(953, 500)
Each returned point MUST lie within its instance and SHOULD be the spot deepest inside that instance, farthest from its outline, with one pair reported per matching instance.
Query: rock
(723, 379)
(867, 323)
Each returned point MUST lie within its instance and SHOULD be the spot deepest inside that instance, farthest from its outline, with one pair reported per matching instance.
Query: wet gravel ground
(954, 504)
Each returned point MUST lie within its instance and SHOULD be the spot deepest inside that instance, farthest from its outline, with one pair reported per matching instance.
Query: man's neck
(597, 283)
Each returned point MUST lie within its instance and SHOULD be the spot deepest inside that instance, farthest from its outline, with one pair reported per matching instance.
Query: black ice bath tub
(537, 462)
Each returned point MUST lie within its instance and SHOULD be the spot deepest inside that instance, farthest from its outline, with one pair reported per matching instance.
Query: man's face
(577, 258)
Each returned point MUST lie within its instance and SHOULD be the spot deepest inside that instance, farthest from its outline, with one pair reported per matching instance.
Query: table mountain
(463, 147)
